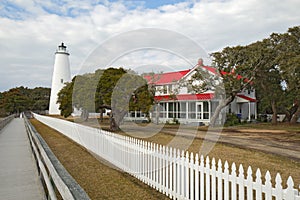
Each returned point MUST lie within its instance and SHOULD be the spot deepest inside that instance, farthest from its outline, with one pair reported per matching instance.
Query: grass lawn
(247, 157)
(96, 178)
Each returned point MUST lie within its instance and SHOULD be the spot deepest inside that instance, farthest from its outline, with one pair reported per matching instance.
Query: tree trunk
(295, 116)
(223, 104)
(101, 114)
(274, 110)
(85, 115)
(157, 114)
(287, 117)
(115, 120)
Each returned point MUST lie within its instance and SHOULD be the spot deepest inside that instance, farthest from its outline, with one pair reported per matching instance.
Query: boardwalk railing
(175, 173)
(52, 173)
(5, 121)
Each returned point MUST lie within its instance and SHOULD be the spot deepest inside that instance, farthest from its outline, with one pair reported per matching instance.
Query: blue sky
(31, 30)
(14, 10)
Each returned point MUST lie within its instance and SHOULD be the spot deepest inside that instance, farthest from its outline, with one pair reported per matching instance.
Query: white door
(199, 110)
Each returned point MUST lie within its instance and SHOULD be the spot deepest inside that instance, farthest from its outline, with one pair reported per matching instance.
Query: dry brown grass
(247, 157)
(96, 178)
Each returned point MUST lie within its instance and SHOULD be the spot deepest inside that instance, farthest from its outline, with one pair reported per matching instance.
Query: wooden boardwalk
(18, 172)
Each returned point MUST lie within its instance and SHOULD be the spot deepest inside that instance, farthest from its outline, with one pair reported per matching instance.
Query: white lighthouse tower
(61, 75)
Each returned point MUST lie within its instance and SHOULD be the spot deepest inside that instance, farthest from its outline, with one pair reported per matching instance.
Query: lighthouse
(61, 75)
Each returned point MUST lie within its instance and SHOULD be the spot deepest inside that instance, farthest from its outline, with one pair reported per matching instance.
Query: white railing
(52, 173)
(175, 173)
(5, 121)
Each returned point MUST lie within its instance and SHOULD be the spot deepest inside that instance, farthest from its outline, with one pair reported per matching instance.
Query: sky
(31, 30)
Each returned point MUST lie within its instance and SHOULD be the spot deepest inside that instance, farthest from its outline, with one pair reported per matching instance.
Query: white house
(187, 107)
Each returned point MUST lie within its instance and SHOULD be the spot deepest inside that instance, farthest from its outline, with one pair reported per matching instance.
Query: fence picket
(167, 172)
(233, 181)
(182, 159)
(258, 185)
(278, 187)
(178, 183)
(249, 184)
(207, 179)
(241, 183)
(213, 179)
(226, 181)
(201, 169)
(186, 175)
(268, 186)
(290, 192)
(220, 182)
(192, 175)
(175, 173)
(197, 177)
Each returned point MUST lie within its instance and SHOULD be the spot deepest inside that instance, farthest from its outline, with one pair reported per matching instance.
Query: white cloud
(29, 43)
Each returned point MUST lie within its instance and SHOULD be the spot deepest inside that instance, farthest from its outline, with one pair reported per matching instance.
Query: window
(192, 110)
(171, 110)
(205, 110)
(162, 110)
(182, 110)
(62, 80)
(165, 89)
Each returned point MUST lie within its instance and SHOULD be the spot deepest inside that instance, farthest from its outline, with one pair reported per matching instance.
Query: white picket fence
(175, 173)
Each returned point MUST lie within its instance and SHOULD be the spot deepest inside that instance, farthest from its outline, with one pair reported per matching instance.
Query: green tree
(288, 59)
(123, 91)
(237, 66)
(115, 89)
(65, 99)
(21, 99)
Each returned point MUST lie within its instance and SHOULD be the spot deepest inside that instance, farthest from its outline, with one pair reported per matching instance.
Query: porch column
(249, 113)
(187, 110)
(209, 110)
(255, 110)
(167, 110)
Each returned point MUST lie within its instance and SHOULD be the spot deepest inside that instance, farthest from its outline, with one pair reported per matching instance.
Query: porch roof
(185, 97)
(244, 97)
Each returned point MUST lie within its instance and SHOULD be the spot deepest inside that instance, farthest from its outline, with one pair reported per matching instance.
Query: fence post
(268, 186)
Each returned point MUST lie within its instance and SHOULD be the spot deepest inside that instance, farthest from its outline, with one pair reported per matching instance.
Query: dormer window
(165, 89)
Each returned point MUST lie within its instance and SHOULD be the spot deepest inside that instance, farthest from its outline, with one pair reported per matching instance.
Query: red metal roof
(186, 97)
(246, 98)
(166, 78)
(170, 77)
(213, 70)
